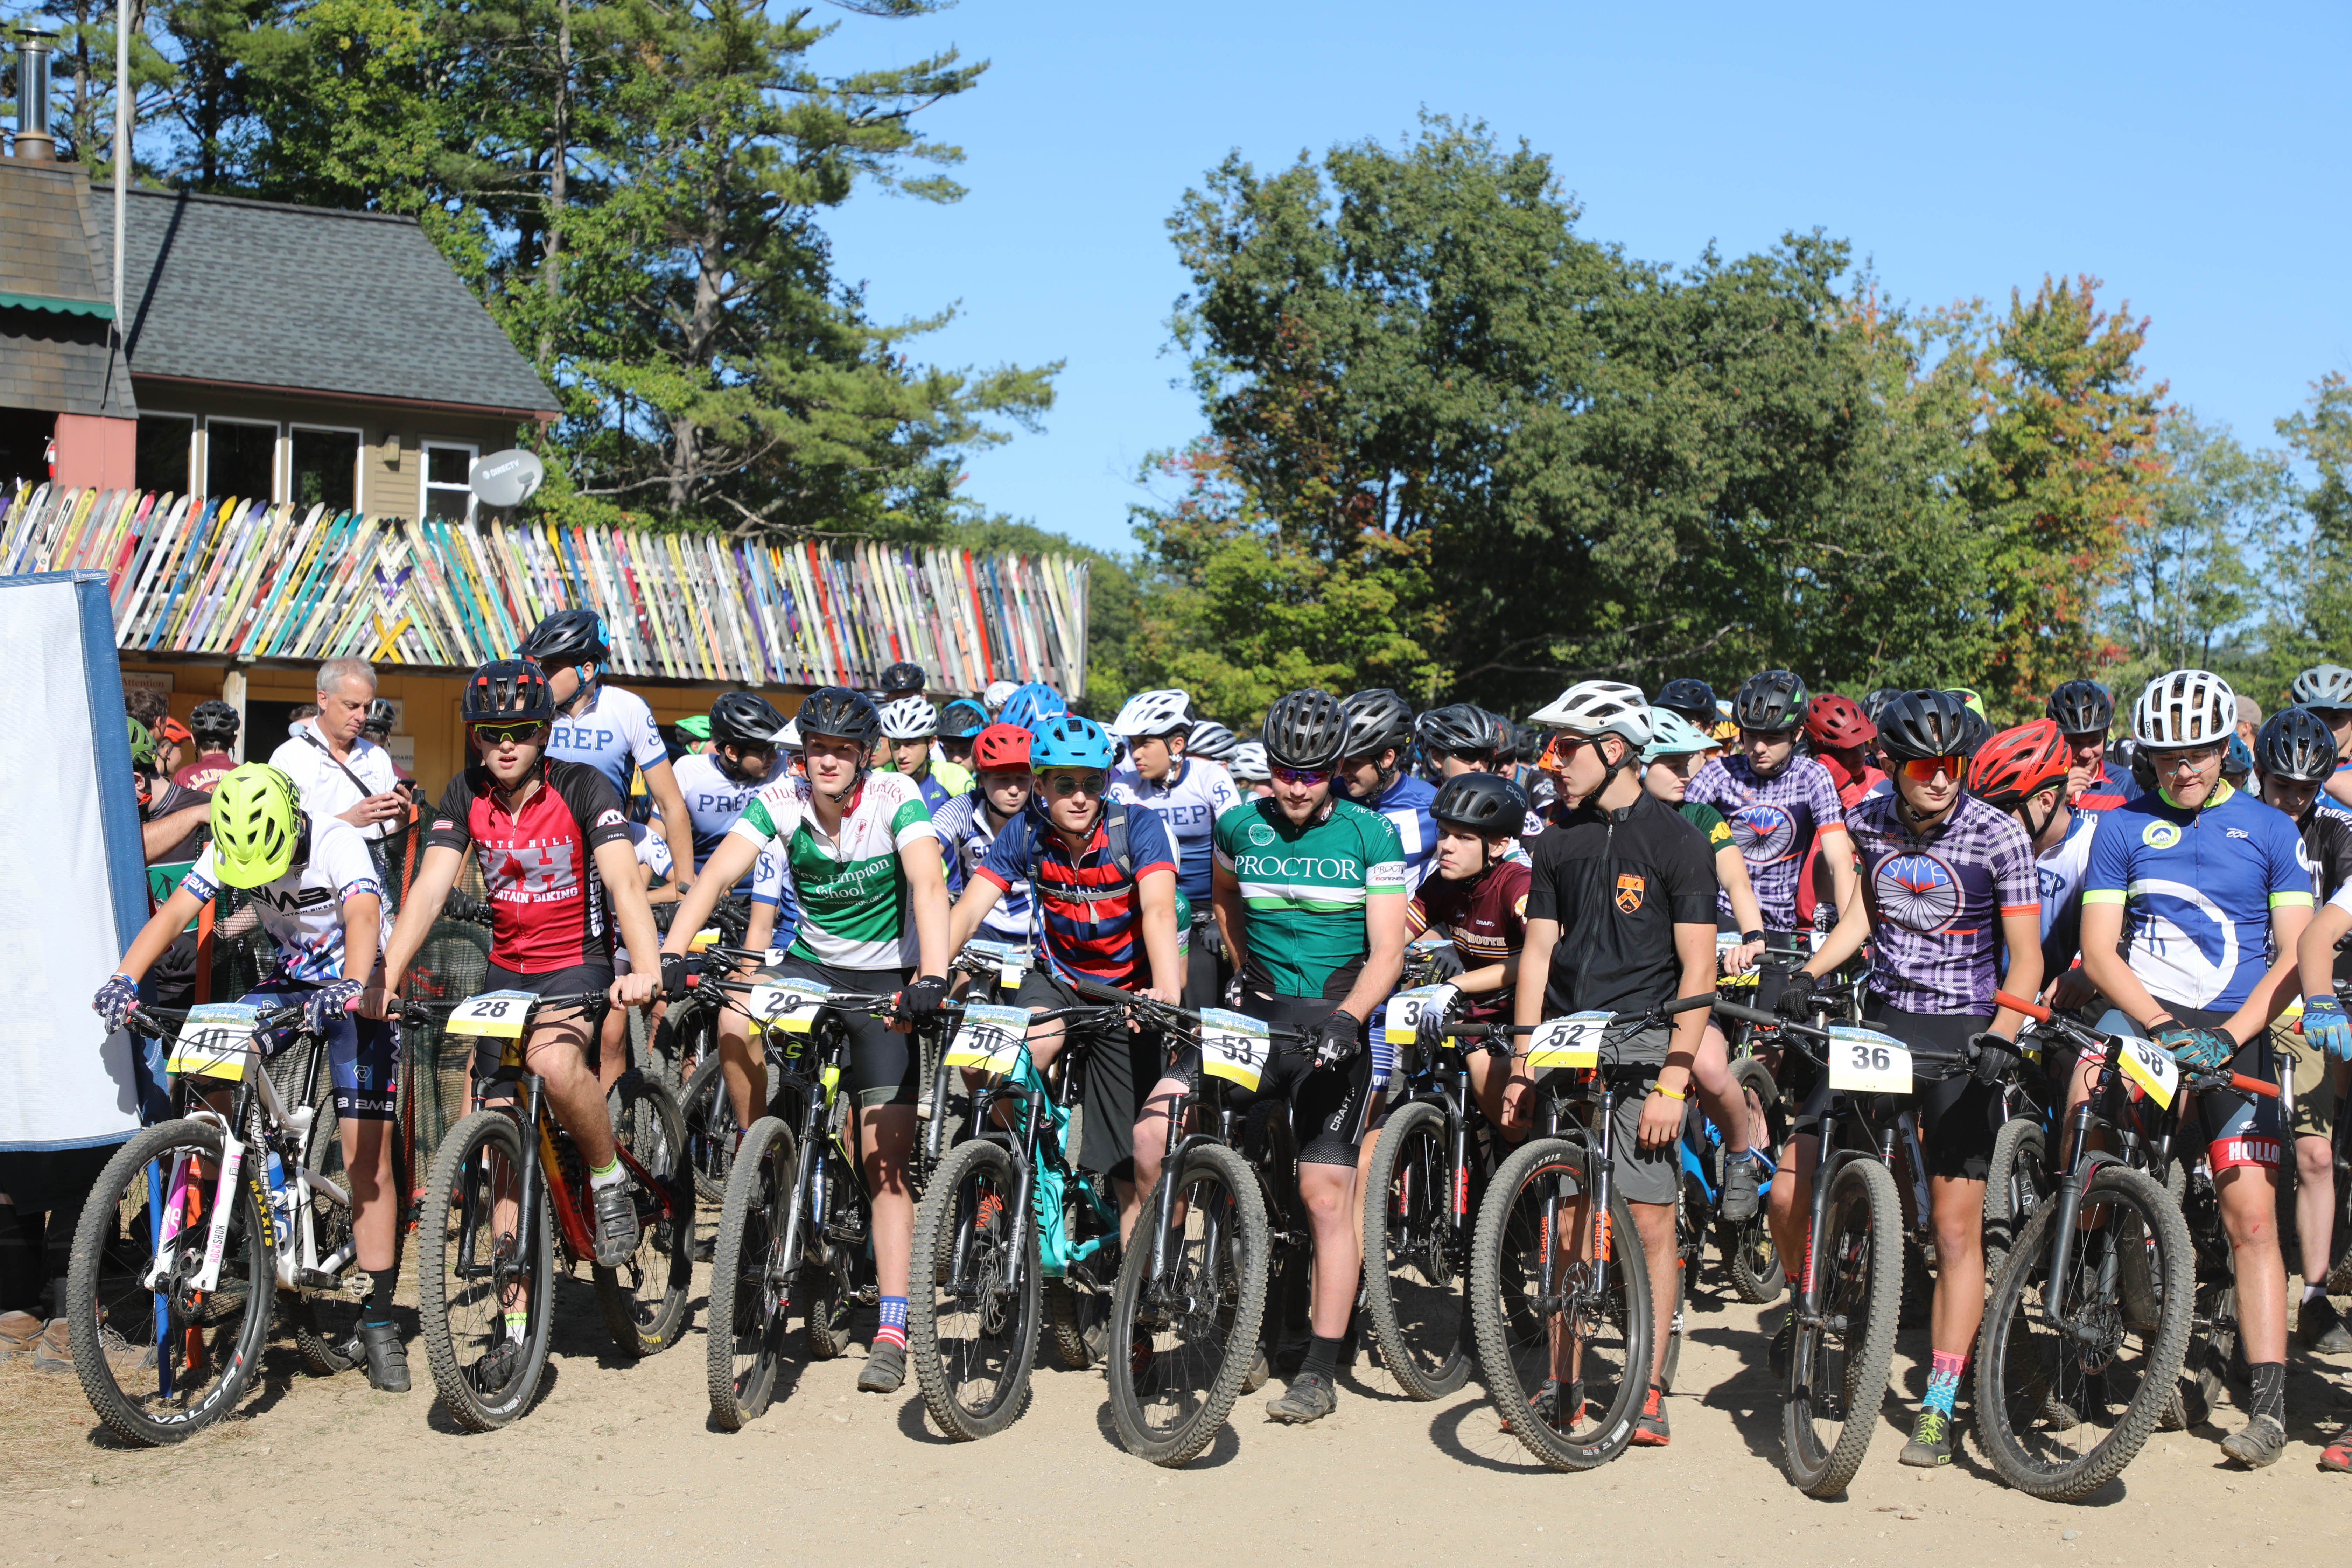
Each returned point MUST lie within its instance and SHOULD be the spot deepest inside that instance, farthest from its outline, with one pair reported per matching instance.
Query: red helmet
(1835, 720)
(2015, 762)
(1001, 749)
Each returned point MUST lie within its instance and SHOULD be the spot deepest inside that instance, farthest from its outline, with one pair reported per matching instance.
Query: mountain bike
(1749, 1260)
(197, 1223)
(1008, 1215)
(1562, 1309)
(508, 1183)
(2089, 1322)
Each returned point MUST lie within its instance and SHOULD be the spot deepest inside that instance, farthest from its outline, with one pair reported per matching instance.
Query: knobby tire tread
(1380, 1300)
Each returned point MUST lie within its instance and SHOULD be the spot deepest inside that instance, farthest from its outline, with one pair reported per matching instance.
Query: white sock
(2309, 1291)
(611, 1175)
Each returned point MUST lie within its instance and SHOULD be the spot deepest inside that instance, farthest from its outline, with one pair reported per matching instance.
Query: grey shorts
(1639, 1177)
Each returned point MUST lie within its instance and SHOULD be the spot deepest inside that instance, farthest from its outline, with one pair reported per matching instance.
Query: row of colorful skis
(251, 580)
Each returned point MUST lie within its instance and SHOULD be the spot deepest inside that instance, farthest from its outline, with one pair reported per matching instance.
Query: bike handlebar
(1113, 996)
(2242, 1082)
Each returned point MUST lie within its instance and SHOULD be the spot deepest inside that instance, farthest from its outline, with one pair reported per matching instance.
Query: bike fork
(1025, 1193)
(224, 1197)
(1808, 1304)
(1458, 1200)
(1164, 1222)
(527, 1199)
(2071, 1194)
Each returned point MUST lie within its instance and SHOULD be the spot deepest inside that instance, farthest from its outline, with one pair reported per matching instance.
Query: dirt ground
(618, 1462)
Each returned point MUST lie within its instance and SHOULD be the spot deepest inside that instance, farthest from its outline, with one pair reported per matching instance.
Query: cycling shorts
(1326, 1103)
(363, 1054)
(2237, 1129)
(1116, 1067)
(1958, 1117)
(579, 977)
(1640, 1175)
(882, 1062)
(2317, 1094)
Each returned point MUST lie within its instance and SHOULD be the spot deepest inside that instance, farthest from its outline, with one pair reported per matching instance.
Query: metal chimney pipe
(34, 143)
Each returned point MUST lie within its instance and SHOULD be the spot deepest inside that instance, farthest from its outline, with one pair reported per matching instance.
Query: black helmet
(903, 678)
(1771, 703)
(744, 718)
(215, 723)
(512, 690)
(380, 717)
(2083, 708)
(837, 710)
(567, 636)
(2293, 744)
(1485, 804)
(1975, 730)
(1875, 703)
(1922, 724)
(1378, 719)
(1305, 729)
(962, 719)
(1456, 729)
(2143, 768)
(1692, 699)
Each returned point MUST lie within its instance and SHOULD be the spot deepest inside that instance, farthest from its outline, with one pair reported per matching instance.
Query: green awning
(97, 308)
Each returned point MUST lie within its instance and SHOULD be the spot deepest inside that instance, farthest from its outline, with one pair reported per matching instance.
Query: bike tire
(952, 1219)
(686, 1037)
(2023, 1377)
(1081, 1323)
(463, 1173)
(749, 1309)
(1862, 1212)
(1499, 1270)
(1228, 1214)
(644, 1300)
(710, 1114)
(326, 1322)
(1414, 1285)
(2015, 1183)
(101, 1302)
(1749, 1256)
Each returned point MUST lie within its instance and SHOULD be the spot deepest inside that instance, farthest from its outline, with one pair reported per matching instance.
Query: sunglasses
(1558, 748)
(1925, 769)
(2192, 757)
(1303, 775)
(1062, 786)
(508, 734)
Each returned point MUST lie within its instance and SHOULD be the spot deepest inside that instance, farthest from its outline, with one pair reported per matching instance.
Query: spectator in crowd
(340, 771)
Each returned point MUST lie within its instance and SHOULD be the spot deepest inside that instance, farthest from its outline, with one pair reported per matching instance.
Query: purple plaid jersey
(1937, 903)
(1772, 821)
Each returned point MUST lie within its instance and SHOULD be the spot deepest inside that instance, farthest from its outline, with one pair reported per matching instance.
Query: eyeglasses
(1062, 786)
(1559, 748)
(2187, 760)
(1925, 769)
(508, 734)
(1310, 776)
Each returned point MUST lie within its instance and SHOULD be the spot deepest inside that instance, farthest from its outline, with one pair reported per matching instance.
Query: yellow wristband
(1670, 1094)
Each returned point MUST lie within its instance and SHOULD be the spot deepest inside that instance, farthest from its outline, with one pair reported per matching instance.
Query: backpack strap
(1122, 855)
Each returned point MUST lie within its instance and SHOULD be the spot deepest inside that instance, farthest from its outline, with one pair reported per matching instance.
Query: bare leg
(1789, 1208)
(889, 1140)
(1656, 1224)
(2249, 1198)
(557, 1052)
(2314, 1205)
(1335, 1213)
(1150, 1150)
(1719, 1093)
(375, 1199)
(1957, 1207)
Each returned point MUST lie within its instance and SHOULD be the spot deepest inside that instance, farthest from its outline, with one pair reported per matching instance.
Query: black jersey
(1619, 882)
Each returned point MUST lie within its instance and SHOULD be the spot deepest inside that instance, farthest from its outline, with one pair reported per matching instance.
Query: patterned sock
(893, 1328)
(1944, 1382)
(2270, 1389)
(603, 1176)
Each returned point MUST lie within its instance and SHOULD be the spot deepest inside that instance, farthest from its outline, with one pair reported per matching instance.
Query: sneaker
(1310, 1398)
(1784, 1338)
(1260, 1370)
(496, 1368)
(2338, 1455)
(2319, 1328)
(387, 1359)
(616, 1225)
(18, 1331)
(886, 1369)
(1931, 1442)
(1140, 1354)
(53, 1352)
(1650, 1426)
(1739, 1190)
(2258, 1443)
(1546, 1403)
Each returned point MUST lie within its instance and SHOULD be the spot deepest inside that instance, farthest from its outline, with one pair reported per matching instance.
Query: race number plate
(703, 939)
(1405, 1010)
(1012, 962)
(791, 1005)
(1571, 1042)
(989, 1039)
(1864, 1061)
(1233, 1047)
(2151, 1067)
(214, 1041)
(498, 1014)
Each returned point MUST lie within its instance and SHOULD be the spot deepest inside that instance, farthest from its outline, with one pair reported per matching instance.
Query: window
(240, 460)
(25, 448)
(447, 470)
(166, 443)
(326, 469)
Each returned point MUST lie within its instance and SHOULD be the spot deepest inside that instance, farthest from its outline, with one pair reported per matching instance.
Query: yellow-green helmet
(256, 819)
(142, 744)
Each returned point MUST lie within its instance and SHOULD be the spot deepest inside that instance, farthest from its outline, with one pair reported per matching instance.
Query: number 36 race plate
(1864, 1061)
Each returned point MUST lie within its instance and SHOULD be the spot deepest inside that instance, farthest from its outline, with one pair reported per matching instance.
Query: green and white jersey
(1305, 889)
(853, 890)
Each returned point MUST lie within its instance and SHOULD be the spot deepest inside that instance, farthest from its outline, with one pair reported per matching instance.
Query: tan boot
(53, 1352)
(17, 1332)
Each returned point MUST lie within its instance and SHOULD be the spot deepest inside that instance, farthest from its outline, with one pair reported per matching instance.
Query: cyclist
(1310, 897)
(961, 722)
(1840, 736)
(998, 693)
(610, 730)
(310, 883)
(902, 680)
(1212, 740)
(1458, 739)
(694, 730)
(2085, 710)
(173, 745)
(2028, 771)
(716, 784)
(340, 771)
(1691, 699)
(2209, 881)
(1620, 917)
(910, 728)
(1379, 736)
(1187, 793)
(1950, 911)
(1476, 894)
(863, 860)
(551, 841)
(2325, 690)
(1030, 706)
(970, 824)
(1252, 774)
(214, 725)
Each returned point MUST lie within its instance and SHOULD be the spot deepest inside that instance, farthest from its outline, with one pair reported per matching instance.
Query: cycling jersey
(1711, 824)
(964, 826)
(1816, 883)
(2058, 874)
(2197, 888)
(1405, 802)
(613, 732)
(205, 772)
(652, 850)
(1092, 910)
(942, 781)
(2107, 789)
(1487, 916)
(1773, 821)
(1937, 900)
(547, 899)
(2328, 844)
(1188, 801)
(1307, 889)
(713, 802)
(852, 892)
(303, 909)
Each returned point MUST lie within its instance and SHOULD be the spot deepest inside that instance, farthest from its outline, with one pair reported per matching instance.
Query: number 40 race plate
(1864, 1061)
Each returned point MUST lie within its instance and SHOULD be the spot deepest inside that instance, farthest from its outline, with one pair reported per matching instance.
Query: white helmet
(2323, 686)
(789, 737)
(998, 694)
(1600, 708)
(909, 718)
(1152, 713)
(2186, 707)
(1211, 740)
(1247, 763)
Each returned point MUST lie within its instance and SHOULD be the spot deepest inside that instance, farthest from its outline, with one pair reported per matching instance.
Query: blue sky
(2192, 157)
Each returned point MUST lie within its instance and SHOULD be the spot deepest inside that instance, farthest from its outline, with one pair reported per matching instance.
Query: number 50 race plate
(1864, 1061)
(989, 1039)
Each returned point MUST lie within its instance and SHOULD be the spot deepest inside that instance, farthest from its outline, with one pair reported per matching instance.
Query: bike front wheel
(971, 1329)
(645, 1299)
(1413, 1277)
(1837, 1367)
(751, 1278)
(2015, 1185)
(482, 1287)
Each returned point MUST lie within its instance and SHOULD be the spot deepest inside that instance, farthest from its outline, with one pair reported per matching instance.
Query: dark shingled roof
(53, 295)
(307, 298)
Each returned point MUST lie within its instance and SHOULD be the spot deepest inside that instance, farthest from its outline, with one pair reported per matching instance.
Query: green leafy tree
(2316, 626)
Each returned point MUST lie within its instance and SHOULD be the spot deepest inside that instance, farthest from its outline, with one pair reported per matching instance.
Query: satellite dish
(508, 479)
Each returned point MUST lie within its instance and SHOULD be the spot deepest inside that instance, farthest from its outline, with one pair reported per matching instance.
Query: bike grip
(2033, 1010)
(1684, 1003)
(2245, 1085)
(1747, 1013)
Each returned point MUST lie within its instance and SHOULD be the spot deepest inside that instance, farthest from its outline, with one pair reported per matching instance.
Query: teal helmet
(1672, 735)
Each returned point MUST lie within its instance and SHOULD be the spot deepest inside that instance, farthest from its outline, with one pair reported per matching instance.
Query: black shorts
(579, 977)
(362, 1055)
(1326, 1104)
(2237, 1129)
(1205, 966)
(883, 1066)
(1116, 1067)
(1958, 1117)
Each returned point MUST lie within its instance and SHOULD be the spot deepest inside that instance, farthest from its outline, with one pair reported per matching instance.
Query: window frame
(277, 455)
(425, 447)
(359, 456)
(194, 421)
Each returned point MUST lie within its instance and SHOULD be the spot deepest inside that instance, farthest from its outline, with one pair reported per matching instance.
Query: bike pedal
(318, 1280)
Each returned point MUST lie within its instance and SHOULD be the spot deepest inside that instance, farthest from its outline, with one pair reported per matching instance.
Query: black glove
(1209, 939)
(114, 1002)
(1796, 999)
(1338, 1038)
(326, 1006)
(920, 1001)
(675, 982)
(1992, 1055)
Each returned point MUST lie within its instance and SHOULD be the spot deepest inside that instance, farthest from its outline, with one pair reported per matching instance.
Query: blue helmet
(1030, 706)
(962, 719)
(1067, 741)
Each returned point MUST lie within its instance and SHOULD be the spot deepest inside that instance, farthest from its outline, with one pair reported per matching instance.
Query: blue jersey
(713, 802)
(1187, 800)
(1406, 805)
(965, 834)
(2197, 888)
(614, 734)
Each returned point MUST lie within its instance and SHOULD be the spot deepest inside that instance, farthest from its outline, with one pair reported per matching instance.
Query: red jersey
(547, 903)
(205, 772)
(1487, 916)
(1814, 889)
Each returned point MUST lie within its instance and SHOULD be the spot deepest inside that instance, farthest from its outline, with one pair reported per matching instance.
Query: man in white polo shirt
(340, 771)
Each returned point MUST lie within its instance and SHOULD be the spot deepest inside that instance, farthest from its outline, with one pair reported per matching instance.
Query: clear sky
(2195, 158)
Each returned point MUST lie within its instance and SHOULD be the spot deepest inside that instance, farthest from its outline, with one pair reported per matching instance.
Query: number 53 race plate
(1864, 1061)
(1233, 1045)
